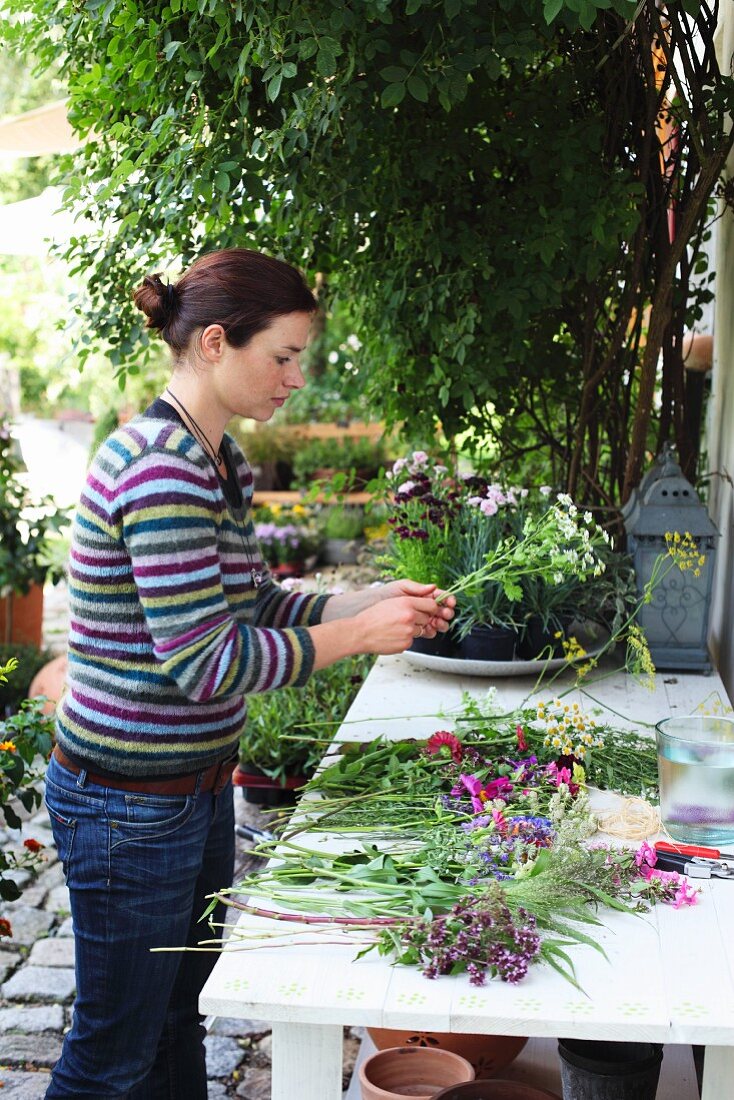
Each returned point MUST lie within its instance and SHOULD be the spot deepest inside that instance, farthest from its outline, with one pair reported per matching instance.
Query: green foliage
(28, 661)
(361, 456)
(287, 731)
(344, 522)
(25, 742)
(468, 180)
(26, 526)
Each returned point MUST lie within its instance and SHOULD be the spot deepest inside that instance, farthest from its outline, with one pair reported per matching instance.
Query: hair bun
(157, 300)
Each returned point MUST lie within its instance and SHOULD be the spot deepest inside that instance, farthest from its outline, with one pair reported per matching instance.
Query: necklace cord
(218, 458)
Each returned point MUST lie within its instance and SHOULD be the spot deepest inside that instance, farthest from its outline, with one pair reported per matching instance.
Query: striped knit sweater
(168, 633)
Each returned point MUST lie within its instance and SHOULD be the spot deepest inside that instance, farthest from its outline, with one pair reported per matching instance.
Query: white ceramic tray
(517, 667)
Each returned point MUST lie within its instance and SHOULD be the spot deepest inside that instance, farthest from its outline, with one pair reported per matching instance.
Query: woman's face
(257, 379)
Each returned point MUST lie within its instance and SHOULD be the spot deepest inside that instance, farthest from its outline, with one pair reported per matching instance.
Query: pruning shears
(694, 866)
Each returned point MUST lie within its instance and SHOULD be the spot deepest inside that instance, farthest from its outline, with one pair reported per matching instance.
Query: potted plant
(286, 546)
(25, 742)
(27, 527)
(287, 732)
(343, 531)
(485, 626)
(320, 459)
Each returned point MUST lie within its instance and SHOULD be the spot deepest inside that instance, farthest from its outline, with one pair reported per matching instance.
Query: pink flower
(521, 742)
(646, 858)
(685, 895)
(489, 507)
(498, 788)
(474, 787)
(443, 739)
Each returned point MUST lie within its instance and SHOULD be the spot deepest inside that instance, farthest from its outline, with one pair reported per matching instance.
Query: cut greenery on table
(477, 856)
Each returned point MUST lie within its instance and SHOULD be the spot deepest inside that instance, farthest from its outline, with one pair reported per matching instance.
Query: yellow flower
(7, 746)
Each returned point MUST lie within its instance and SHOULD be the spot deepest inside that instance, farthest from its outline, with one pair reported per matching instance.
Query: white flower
(489, 507)
(406, 487)
(420, 458)
(545, 490)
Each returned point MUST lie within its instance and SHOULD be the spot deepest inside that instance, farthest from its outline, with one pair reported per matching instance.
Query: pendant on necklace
(257, 577)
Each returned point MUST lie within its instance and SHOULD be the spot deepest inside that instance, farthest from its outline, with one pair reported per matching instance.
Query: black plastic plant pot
(488, 643)
(541, 643)
(609, 1071)
(260, 790)
(443, 645)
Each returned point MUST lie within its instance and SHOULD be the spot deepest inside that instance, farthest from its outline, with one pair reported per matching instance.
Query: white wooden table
(667, 977)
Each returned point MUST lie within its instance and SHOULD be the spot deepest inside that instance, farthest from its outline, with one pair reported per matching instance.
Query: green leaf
(551, 9)
(273, 87)
(326, 61)
(393, 95)
(394, 74)
(418, 88)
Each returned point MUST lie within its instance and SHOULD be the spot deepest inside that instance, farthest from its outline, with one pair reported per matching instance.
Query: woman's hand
(384, 619)
(390, 625)
(439, 622)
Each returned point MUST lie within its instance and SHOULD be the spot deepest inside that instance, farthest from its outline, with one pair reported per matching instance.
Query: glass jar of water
(696, 765)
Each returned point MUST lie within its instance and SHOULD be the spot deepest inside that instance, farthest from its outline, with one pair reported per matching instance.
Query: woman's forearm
(347, 604)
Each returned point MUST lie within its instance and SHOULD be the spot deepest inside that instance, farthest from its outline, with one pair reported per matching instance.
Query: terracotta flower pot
(495, 1090)
(50, 681)
(420, 1072)
(21, 617)
(488, 1054)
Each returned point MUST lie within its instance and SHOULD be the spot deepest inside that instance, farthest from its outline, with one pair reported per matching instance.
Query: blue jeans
(138, 867)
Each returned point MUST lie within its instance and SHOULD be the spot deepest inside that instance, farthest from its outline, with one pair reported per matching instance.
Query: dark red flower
(32, 845)
(443, 738)
(6, 929)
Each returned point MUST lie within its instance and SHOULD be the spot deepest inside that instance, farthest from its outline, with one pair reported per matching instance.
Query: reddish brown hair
(241, 290)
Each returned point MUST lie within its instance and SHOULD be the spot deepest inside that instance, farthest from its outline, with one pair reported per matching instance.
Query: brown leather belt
(214, 778)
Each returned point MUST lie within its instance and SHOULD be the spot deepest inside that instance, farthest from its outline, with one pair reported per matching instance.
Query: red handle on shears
(690, 850)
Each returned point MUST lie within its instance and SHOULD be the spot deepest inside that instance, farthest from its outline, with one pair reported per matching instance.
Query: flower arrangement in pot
(288, 538)
(485, 625)
(497, 549)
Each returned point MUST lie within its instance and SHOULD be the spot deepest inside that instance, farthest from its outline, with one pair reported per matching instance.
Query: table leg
(307, 1062)
(718, 1073)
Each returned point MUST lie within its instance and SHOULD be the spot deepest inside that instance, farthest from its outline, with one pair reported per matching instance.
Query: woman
(174, 621)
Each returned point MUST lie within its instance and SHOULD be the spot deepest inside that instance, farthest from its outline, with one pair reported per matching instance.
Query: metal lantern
(675, 621)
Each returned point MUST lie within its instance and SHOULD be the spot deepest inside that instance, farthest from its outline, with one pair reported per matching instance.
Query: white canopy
(28, 228)
(39, 132)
